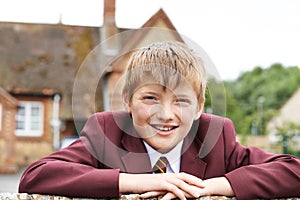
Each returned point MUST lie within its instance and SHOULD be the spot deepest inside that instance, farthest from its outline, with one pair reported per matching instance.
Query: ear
(126, 102)
(199, 111)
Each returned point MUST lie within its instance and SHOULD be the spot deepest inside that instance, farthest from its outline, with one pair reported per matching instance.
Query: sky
(237, 35)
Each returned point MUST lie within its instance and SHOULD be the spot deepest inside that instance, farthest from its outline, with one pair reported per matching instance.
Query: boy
(164, 94)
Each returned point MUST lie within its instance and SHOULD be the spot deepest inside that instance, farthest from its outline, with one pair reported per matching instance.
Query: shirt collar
(173, 156)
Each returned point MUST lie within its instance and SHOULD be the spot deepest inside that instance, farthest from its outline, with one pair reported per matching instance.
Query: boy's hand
(166, 195)
(217, 186)
(213, 186)
(179, 185)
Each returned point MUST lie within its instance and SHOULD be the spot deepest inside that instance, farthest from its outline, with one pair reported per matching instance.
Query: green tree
(255, 96)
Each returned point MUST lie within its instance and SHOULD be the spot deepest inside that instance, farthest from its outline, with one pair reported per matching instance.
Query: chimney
(109, 12)
(109, 40)
(110, 45)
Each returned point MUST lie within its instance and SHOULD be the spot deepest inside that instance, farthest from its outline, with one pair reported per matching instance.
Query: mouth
(164, 129)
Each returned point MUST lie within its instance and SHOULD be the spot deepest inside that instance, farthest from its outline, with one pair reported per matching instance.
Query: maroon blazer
(109, 145)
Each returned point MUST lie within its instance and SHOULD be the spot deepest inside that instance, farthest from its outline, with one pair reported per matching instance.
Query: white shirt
(173, 157)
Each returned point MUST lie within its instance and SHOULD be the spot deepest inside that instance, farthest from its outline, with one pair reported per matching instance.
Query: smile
(164, 128)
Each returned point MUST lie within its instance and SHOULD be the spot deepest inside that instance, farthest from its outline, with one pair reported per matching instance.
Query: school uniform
(109, 145)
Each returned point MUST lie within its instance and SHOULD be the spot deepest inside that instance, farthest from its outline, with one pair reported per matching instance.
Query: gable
(289, 113)
(158, 28)
(159, 19)
(6, 98)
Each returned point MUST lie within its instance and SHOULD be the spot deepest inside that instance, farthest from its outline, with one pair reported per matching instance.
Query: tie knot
(161, 165)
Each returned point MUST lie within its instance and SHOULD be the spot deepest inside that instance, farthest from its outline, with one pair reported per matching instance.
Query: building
(288, 119)
(50, 83)
(289, 113)
(8, 110)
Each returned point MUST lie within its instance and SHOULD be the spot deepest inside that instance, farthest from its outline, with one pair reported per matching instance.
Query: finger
(151, 194)
(168, 196)
(190, 179)
(166, 183)
(193, 191)
(176, 190)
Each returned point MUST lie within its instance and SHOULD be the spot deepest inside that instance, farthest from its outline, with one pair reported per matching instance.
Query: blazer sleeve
(254, 173)
(72, 171)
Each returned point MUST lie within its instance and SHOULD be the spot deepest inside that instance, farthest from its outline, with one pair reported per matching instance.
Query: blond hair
(167, 63)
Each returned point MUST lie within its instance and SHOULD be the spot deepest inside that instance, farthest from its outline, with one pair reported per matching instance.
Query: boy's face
(163, 117)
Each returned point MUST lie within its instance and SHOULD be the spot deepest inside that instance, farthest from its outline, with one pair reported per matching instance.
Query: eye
(149, 99)
(183, 101)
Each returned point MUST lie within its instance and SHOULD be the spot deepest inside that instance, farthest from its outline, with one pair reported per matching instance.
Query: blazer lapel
(190, 161)
(137, 163)
(136, 160)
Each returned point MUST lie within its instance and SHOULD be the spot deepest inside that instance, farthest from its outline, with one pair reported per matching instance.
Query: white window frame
(0, 116)
(27, 119)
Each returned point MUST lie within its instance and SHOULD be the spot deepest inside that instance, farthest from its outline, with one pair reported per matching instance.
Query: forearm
(217, 186)
(128, 183)
(70, 179)
(268, 180)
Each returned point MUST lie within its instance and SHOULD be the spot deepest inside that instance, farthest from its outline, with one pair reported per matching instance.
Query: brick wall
(7, 137)
(27, 151)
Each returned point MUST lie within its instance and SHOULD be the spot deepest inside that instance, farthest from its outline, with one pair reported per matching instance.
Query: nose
(166, 113)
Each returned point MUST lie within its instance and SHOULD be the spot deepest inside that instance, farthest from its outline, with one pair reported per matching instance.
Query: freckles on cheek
(141, 117)
(186, 114)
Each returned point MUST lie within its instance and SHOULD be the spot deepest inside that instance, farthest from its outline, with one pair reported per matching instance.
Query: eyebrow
(150, 92)
(184, 96)
(159, 93)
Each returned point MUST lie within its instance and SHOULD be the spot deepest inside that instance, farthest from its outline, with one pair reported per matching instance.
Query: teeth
(163, 128)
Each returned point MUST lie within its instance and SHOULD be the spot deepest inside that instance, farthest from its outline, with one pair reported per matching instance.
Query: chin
(164, 149)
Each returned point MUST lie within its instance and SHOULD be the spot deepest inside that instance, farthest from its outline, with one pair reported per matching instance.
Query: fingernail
(196, 194)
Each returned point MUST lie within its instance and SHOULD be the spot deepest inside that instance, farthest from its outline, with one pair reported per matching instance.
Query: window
(29, 120)
(0, 116)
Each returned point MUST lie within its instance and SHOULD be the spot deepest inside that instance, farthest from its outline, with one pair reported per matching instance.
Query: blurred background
(45, 46)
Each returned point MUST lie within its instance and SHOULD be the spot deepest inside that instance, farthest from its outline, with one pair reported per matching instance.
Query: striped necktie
(161, 165)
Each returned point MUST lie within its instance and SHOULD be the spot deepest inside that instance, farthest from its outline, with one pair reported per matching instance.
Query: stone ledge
(25, 196)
